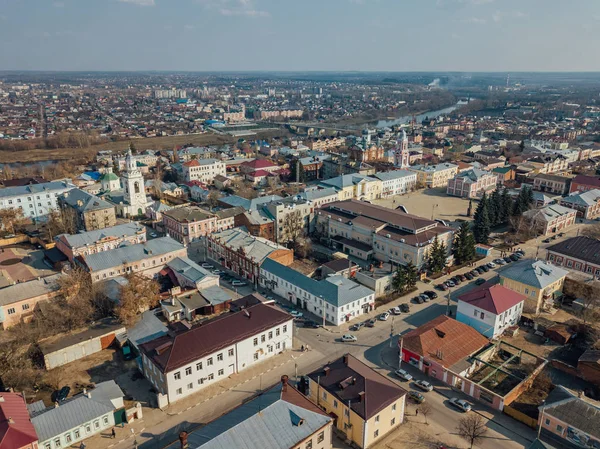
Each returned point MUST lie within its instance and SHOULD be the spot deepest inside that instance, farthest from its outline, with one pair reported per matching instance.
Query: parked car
(61, 395)
(519, 255)
(356, 327)
(153, 234)
(424, 297)
(431, 294)
(418, 300)
(226, 278)
(507, 259)
(384, 316)
(460, 404)
(469, 276)
(371, 323)
(480, 281)
(217, 272)
(513, 257)
(403, 375)
(450, 283)
(349, 338)
(546, 240)
(456, 280)
(461, 277)
(475, 273)
(207, 266)
(237, 283)
(520, 251)
(554, 237)
(479, 270)
(405, 308)
(562, 234)
(485, 268)
(499, 261)
(296, 314)
(442, 287)
(396, 311)
(311, 324)
(424, 385)
(416, 396)
(491, 265)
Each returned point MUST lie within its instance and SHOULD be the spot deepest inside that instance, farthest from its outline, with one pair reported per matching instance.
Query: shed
(64, 349)
(484, 250)
(560, 333)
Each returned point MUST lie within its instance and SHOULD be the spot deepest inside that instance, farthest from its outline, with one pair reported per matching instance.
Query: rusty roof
(445, 340)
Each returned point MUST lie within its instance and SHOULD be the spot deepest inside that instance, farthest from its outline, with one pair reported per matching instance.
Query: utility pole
(448, 303)
(392, 333)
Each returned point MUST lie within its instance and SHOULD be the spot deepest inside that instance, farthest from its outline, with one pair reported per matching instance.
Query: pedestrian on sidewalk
(113, 434)
(82, 445)
(417, 412)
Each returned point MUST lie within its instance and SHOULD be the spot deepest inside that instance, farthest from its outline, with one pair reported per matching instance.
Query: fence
(520, 416)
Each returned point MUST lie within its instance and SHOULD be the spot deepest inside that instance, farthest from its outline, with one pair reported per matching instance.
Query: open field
(428, 202)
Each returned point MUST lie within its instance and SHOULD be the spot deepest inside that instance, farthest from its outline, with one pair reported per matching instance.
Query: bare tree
(213, 199)
(591, 231)
(425, 409)
(589, 294)
(11, 220)
(472, 428)
(139, 294)
(292, 228)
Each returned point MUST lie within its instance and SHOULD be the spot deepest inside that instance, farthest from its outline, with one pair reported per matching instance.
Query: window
(209, 361)
(324, 395)
(190, 386)
(376, 434)
(25, 306)
(393, 421)
(230, 353)
(559, 428)
(346, 412)
(221, 372)
(547, 422)
(321, 437)
(105, 420)
(377, 418)
(198, 366)
(394, 407)
(285, 328)
(526, 291)
(256, 356)
(188, 371)
(475, 312)
(335, 403)
(482, 315)
(47, 446)
(308, 444)
(77, 434)
(211, 376)
(256, 342)
(177, 375)
(57, 442)
(179, 391)
(200, 381)
(96, 424)
(220, 357)
(11, 311)
(88, 429)
(262, 338)
(270, 335)
(277, 331)
(68, 438)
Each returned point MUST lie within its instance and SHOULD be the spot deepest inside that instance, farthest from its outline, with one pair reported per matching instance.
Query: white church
(127, 194)
(401, 153)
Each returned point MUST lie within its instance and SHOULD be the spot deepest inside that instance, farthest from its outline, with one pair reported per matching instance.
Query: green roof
(109, 177)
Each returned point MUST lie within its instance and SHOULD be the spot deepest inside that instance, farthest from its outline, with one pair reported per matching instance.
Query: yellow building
(540, 282)
(359, 187)
(365, 405)
(432, 176)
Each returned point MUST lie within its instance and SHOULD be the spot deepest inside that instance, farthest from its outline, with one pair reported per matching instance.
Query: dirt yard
(414, 436)
(20, 264)
(430, 202)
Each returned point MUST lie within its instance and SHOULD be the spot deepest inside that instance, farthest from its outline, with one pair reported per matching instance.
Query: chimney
(284, 383)
(85, 391)
(56, 405)
(362, 396)
(172, 300)
(326, 369)
(89, 394)
(183, 439)
(346, 359)
(10, 420)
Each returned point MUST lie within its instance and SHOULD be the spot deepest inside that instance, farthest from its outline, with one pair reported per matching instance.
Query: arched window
(136, 187)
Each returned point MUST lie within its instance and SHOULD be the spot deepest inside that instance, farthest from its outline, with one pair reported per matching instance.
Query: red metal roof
(16, 430)
(192, 163)
(495, 299)
(587, 180)
(259, 163)
(444, 339)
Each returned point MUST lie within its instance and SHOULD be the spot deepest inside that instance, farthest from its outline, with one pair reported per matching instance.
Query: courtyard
(430, 203)
(22, 263)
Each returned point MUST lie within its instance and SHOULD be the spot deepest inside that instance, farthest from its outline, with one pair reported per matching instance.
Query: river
(407, 118)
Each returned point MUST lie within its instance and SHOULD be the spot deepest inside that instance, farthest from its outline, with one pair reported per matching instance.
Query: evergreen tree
(437, 256)
(464, 244)
(496, 207)
(505, 207)
(411, 275)
(529, 197)
(523, 202)
(481, 221)
(399, 280)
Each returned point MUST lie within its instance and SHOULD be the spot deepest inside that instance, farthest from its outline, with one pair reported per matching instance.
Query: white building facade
(203, 170)
(396, 182)
(36, 200)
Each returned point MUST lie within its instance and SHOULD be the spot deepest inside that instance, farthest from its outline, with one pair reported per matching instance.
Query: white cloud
(244, 12)
(475, 20)
(139, 2)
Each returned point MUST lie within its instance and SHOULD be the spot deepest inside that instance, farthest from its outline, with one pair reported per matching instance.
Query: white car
(208, 266)
(153, 234)
(239, 284)
(384, 316)
(460, 404)
(424, 385)
(349, 338)
(491, 265)
(396, 311)
(403, 375)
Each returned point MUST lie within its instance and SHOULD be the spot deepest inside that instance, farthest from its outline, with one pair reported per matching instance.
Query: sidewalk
(158, 428)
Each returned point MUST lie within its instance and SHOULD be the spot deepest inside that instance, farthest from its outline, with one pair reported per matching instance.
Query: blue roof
(93, 174)
(336, 290)
(537, 273)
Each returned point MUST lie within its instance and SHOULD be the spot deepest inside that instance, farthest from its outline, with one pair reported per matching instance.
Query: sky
(305, 35)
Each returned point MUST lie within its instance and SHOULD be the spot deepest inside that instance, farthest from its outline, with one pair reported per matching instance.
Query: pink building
(189, 223)
(472, 183)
